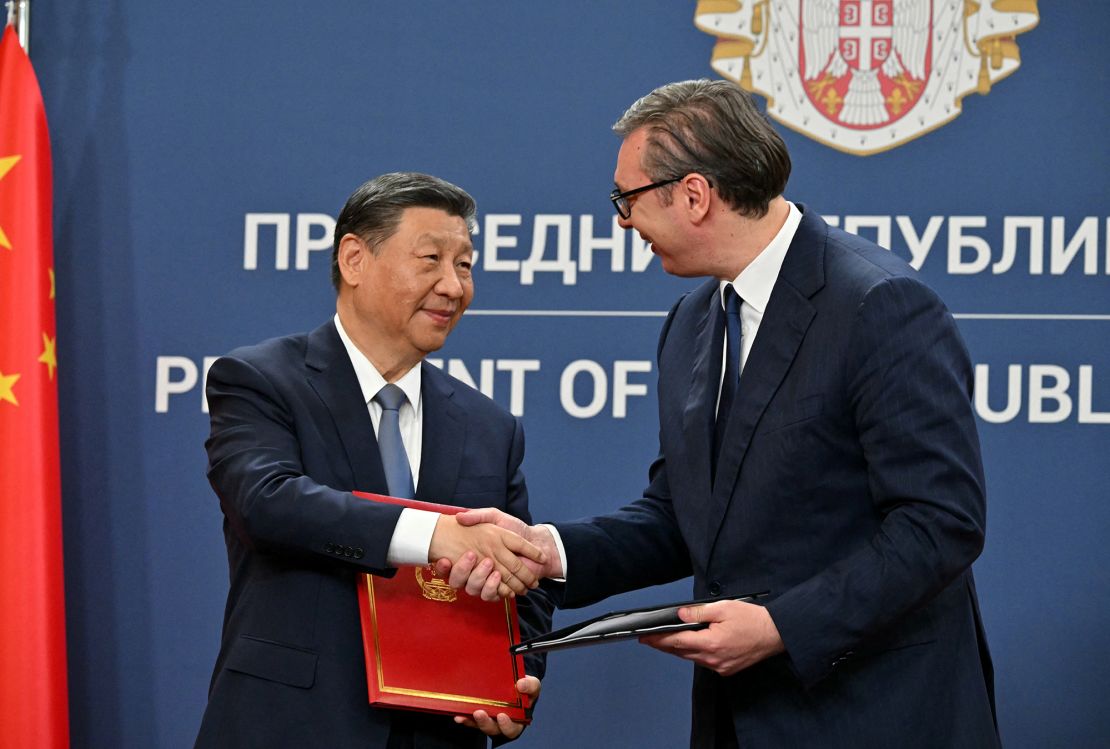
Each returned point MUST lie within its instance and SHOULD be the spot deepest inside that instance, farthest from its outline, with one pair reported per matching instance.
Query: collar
(370, 379)
(754, 284)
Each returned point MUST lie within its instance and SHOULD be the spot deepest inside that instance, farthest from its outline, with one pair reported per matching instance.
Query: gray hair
(374, 210)
(712, 128)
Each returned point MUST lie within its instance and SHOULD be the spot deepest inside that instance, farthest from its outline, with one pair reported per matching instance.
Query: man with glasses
(817, 441)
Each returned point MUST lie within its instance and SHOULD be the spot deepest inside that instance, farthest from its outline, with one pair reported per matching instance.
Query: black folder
(622, 625)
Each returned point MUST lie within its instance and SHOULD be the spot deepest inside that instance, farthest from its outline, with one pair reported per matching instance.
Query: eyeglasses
(620, 199)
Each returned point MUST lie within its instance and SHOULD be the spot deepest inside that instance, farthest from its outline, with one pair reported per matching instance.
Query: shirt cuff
(412, 537)
(559, 545)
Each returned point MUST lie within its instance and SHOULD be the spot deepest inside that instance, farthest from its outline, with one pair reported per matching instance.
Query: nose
(449, 284)
(624, 223)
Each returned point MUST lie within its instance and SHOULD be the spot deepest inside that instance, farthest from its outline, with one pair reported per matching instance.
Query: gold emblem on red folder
(435, 588)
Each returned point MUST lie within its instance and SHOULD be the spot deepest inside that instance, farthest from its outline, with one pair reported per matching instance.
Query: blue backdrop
(201, 150)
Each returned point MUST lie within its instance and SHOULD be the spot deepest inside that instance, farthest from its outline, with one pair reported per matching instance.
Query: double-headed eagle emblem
(865, 76)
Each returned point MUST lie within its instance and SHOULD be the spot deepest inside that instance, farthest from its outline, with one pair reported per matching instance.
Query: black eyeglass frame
(621, 198)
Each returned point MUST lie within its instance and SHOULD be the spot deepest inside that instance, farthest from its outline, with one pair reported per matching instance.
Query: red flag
(33, 697)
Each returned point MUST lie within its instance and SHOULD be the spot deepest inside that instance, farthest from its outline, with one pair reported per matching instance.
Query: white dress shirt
(412, 536)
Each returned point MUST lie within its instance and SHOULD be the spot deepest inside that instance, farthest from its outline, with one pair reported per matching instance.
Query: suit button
(348, 551)
(359, 552)
(714, 588)
(329, 548)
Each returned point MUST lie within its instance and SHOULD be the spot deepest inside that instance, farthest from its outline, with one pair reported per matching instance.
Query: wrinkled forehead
(452, 241)
(434, 227)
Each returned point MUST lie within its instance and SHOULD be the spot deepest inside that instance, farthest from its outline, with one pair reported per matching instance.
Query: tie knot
(732, 300)
(390, 397)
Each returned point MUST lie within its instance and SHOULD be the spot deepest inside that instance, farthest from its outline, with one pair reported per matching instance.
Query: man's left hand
(502, 724)
(739, 635)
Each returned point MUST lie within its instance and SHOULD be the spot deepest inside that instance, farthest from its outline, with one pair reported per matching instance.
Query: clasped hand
(512, 558)
(483, 575)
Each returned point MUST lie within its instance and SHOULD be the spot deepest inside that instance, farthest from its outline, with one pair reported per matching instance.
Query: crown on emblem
(864, 76)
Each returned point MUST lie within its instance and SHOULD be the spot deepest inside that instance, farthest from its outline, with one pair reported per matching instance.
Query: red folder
(434, 649)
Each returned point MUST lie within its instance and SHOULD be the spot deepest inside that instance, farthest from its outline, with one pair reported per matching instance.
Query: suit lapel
(781, 332)
(443, 437)
(332, 376)
(701, 399)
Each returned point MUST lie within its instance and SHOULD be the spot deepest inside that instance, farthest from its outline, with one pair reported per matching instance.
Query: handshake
(492, 554)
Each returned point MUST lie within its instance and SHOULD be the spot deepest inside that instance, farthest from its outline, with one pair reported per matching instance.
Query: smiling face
(400, 303)
(658, 223)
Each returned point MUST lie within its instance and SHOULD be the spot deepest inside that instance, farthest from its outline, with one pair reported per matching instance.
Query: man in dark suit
(840, 472)
(297, 423)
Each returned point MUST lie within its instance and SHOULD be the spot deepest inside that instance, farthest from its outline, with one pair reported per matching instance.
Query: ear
(353, 256)
(696, 195)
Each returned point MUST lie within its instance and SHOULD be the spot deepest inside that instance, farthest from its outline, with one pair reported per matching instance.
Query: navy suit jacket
(849, 485)
(291, 437)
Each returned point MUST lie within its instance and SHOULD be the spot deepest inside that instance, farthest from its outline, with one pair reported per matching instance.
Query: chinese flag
(33, 701)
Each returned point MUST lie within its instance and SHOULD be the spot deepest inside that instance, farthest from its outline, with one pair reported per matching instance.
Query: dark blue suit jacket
(849, 486)
(291, 437)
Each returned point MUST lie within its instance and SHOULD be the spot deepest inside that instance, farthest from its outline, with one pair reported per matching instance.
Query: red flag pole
(33, 689)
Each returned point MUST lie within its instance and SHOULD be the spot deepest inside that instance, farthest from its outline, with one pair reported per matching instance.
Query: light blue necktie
(398, 474)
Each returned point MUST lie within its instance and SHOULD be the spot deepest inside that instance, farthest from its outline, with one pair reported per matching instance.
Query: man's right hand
(479, 575)
(514, 559)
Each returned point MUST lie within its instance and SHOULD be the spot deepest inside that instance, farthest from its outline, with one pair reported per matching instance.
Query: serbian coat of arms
(864, 76)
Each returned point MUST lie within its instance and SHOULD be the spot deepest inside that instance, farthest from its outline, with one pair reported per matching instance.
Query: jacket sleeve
(909, 385)
(270, 504)
(634, 547)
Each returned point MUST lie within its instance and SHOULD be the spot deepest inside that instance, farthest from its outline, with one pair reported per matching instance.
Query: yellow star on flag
(7, 382)
(49, 357)
(51, 272)
(6, 164)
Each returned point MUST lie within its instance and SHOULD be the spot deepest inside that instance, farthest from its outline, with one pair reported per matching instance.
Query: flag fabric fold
(33, 694)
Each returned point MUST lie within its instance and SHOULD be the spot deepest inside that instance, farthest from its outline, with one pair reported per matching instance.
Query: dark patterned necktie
(732, 369)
